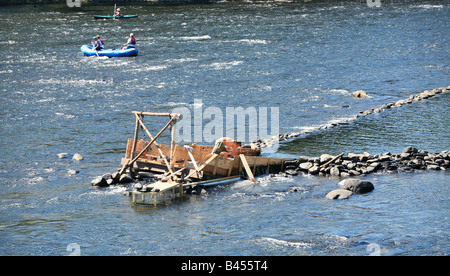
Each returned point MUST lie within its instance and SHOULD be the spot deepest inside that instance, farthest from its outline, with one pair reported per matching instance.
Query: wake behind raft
(90, 51)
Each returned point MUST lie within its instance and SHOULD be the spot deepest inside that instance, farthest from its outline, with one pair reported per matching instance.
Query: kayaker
(96, 44)
(100, 42)
(131, 42)
(118, 13)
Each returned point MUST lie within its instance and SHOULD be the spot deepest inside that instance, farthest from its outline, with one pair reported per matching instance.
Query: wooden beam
(146, 147)
(156, 144)
(331, 161)
(171, 115)
(198, 169)
(247, 168)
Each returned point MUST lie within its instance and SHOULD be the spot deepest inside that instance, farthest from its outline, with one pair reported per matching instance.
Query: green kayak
(114, 17)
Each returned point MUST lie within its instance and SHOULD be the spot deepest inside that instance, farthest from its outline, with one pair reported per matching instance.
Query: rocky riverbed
(353, 164)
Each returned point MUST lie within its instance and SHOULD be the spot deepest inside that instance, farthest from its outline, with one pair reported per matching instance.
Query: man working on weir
(224, 142)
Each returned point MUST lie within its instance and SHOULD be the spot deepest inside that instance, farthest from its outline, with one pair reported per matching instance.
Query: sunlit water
(306, 59)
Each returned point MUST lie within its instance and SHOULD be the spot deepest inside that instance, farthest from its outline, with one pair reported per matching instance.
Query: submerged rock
(339, 194)
(77, 157)
(62, 155)
(360, 94)
(357, 186)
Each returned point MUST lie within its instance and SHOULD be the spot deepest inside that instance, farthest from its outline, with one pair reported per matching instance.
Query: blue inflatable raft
(89, 51)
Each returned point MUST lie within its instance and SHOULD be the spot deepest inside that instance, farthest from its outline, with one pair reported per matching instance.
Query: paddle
(114, 14)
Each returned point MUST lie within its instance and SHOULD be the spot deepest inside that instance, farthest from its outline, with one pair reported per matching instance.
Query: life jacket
(118, 13)
(100, 43)
(131, 42)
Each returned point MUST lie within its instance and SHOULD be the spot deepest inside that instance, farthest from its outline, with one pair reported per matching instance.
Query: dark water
(306, 59)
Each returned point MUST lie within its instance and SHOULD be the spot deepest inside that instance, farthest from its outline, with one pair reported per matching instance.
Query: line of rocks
(259, 143)
(411, 159)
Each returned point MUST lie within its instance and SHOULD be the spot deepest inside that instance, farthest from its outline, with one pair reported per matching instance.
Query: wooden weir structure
(181, 167)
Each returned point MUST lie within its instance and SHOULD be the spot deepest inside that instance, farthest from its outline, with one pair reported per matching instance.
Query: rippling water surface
(304, 58)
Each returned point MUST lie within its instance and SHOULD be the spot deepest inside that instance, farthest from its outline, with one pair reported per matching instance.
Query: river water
(304, 58)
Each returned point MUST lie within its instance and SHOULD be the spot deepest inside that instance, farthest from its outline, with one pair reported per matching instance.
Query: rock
(325, 158)
(410, 149)
(72, 171)
(305, 166)
(291, 172)
(77, 157)
(125, 178)
(314, 170)
(433, 167)
(339, 194)
(62, 155)
(360, 94)
(334, 171)
(294, 189)
(357, 186)
(138, 186)
(303, 159)
(99, 182)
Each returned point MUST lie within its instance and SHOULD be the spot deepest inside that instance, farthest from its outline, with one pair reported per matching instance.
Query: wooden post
(247, 168)
(172, 144)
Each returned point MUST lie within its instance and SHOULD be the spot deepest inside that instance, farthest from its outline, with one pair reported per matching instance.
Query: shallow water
(306, 59)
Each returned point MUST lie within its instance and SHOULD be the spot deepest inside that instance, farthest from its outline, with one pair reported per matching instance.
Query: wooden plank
(331, 161)
(215, 166)
(198, 169)
(247, 168)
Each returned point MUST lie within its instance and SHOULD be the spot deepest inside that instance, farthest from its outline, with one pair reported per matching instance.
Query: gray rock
(72, 171)
(325, 158)
(357, 186)
(305, 166)
(62, 155)
(291, 172)
(339, 194)
(99, 182)
(410, 149)
(334, 171)
(314, 170)
(125, 178)
(360, 94)
(77, 157)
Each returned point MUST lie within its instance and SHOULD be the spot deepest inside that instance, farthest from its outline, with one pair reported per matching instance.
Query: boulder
(334, 171)
(72, 171)
(305, 166)
(77, 157)
(125, 178)
(325, 158)
(99, 182)
(291, 172)
(360, 94)
(357, 186)
(339, 194)
(410, 149)
(62, 155)
(314, 170)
